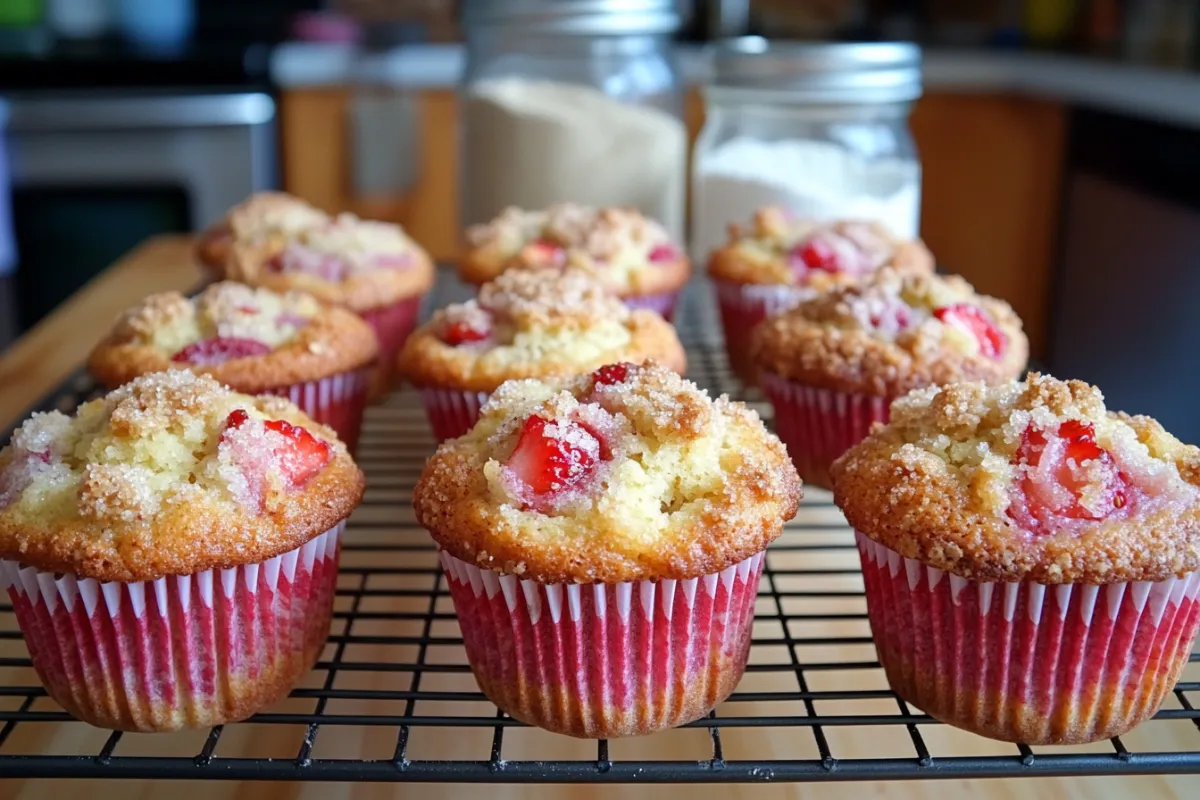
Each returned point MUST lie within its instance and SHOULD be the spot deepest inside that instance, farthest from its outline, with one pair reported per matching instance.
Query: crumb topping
(163, 449)
(1041, 477)
(620, 246)
(268, 215)
(346, 246)
(534, 322)
(892, 332)
(624, 474)
(779, 247)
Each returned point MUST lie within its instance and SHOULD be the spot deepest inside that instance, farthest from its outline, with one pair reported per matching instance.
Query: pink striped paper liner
(452, 413)
(606, 660)
(178, 652)
(392, 324)
(743, 306)
(337, 401)
(663, 303)
(1028, 662)
(818, 425)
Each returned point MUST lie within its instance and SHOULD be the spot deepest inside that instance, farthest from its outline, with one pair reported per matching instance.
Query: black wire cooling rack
(392, 698)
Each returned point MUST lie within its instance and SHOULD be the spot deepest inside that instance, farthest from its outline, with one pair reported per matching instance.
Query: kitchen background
(1057, 141)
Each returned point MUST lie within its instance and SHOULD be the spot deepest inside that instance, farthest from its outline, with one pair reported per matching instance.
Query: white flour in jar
(811, 178)
(536, 143)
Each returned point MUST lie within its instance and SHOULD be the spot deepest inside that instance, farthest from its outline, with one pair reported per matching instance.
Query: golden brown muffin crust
(936, 485)
(848, 339)
(693, 485)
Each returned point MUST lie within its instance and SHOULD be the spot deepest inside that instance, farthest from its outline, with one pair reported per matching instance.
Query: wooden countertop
(55, 348)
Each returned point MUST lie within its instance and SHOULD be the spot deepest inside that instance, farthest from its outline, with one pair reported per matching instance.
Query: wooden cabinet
(993, 171)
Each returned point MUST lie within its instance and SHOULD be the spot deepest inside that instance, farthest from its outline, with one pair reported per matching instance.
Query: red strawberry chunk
(303, 456)
(210, 352)
(663, 254)
(816, 253)
(977, 322)
(611, 374)
(552, 456)
(1067, 476)
(460, 332)
(544, 251)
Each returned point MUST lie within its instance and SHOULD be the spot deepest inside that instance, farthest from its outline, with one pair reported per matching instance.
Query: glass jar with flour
(819, 129)
(573, 100)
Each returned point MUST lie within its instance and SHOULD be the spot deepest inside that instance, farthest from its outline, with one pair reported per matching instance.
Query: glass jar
(573, 100)
(820, 129)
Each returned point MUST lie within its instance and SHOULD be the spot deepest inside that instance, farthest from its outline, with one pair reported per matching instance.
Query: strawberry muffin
(832, 365)
(1030, 558)
(603, 538)
(254, 341)
(370, 267)
(631, 255)
(266, 217)
(171, 550)
(782, 259)
(528, 323)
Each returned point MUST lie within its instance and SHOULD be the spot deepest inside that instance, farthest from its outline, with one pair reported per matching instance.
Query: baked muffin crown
(1026, 480)
(531, 323)
(627, 252)
(630, 473)
(253, 339)
(169, 475)
(779, 247)
(261, 218)
(893, 332)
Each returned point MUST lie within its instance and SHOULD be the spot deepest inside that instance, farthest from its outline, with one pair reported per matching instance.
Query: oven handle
(30, 114)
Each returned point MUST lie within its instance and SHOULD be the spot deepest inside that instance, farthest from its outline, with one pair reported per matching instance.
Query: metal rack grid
(393, 680)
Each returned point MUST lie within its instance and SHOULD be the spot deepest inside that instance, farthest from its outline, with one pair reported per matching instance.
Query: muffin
(782, 259)
(527, 323)
(1030, 558)
(832, 365)
(266, 217)
(253, 340)
(603, 537)
(631, 255)
(370, 267)
(171, 550)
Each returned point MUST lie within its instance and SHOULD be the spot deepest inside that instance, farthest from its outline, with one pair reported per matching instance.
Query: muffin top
(250, 339)
(169, 475)
(1024, 480)
(779, 247)
(893, 332)
(264, 217)
(534, 323)
(627, 252)
(630, 473)
(342, 260)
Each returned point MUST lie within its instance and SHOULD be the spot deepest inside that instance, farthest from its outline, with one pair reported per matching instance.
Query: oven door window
(68, 235)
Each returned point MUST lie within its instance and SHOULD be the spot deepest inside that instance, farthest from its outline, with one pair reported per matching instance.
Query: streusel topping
(893, 332)
(532, 322)
(346, 246)
(629, 473)
(780, 247)
(1034, 478)
(617, 245)
(174, 448)
(272, 214)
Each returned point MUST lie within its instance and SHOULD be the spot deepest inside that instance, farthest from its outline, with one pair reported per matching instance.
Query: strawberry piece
(816, 253)
(460, 332)
(1060, 469)
(663, 254)
(210, 352)
(237, 418)
(248, 310)
(552, 456)
(299, 457)
(544, 251)
(975, 321)
(611, 374)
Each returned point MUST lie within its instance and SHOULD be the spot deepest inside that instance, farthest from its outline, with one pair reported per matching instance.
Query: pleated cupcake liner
(743, 306)
(817, 425)
(606, 660)
(663, 303)
(392, 325)
(188, 651)
(452, 413)
(1028, 662)
(337, 401)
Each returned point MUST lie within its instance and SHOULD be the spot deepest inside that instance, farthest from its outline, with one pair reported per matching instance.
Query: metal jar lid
(884, 72)
(576, 17)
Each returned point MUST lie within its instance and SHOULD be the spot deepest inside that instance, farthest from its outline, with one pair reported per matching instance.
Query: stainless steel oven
(94, 175)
